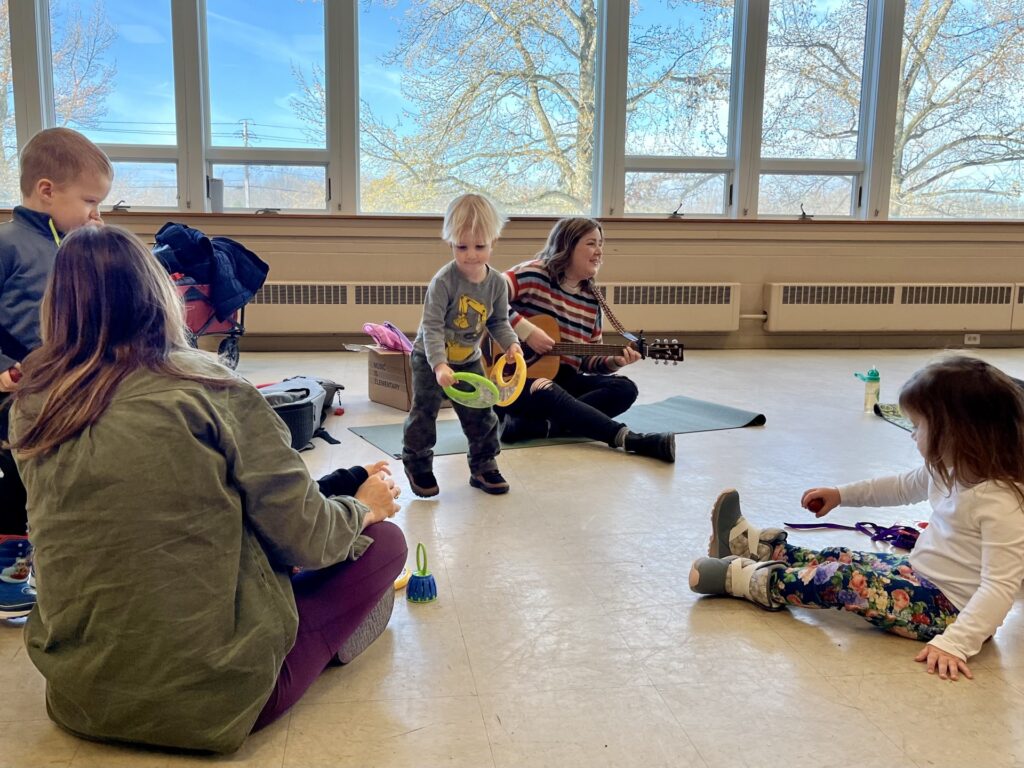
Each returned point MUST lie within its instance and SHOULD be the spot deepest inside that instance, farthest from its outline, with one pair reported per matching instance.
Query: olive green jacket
(164, 536)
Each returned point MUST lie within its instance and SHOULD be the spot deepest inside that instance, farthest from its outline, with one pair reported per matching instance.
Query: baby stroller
(216, 277)
(201, 320)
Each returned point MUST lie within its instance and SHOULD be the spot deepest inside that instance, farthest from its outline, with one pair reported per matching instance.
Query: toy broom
(421, 588)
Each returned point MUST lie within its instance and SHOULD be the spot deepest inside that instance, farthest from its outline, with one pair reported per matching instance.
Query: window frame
(194, 154)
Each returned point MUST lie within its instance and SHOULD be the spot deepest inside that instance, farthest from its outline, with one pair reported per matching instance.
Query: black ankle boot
(657, 445)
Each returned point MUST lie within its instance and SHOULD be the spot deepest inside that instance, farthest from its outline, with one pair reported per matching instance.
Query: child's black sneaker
(490, 481)
(423, 484)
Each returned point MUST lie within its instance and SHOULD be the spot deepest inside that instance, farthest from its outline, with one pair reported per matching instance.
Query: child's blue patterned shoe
(17, 588)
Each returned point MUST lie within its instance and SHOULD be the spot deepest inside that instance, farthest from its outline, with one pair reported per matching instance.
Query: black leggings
(577, 404)
(13, 519)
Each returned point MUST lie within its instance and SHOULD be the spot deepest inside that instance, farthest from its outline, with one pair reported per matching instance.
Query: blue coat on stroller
(220, 277)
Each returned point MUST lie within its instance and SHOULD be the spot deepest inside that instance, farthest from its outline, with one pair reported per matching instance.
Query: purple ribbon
(900, 536)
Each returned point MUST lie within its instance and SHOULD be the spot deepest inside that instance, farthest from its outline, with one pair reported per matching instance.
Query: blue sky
(254, 45)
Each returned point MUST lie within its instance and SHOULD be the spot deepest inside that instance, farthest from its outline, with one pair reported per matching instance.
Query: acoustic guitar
(546, 366)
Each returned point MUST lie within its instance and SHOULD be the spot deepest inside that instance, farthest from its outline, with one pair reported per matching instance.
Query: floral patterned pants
(879, 586)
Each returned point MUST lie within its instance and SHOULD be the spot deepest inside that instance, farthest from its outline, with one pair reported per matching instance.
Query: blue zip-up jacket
(27, 253)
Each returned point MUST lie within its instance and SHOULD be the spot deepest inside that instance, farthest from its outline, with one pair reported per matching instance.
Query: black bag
(303, 403)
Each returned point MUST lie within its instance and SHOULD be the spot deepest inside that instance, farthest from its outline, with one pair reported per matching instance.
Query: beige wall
(339, 248)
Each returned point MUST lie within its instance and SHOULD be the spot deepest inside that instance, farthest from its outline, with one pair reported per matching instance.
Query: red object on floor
(339, 411)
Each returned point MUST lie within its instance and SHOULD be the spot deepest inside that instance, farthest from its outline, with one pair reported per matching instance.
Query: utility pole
(245, 167)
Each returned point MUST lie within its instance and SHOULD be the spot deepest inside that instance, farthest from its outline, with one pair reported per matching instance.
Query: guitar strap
(599, 295)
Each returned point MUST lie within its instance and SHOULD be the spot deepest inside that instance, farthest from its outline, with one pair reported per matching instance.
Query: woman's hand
(540, 342)
(444, 374)
(512, 351)
(628, 357)
(379, 493)
(380, 466)
(948, 665)
(820, 501)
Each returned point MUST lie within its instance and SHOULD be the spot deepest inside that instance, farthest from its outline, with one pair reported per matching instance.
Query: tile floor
(565, 634)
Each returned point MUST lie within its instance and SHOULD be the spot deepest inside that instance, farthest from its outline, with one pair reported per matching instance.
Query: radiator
(311, 308)
(1018, 307)
(674, 307)
(890, 306)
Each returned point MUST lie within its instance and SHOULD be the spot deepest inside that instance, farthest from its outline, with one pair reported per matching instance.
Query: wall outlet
(972, 338)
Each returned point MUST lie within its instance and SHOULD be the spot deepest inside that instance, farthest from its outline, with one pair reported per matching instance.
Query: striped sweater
(532, 292)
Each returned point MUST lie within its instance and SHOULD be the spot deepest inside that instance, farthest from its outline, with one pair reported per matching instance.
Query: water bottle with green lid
(872, 386)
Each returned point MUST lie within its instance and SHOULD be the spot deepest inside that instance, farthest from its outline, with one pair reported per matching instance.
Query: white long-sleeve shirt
(972, 549)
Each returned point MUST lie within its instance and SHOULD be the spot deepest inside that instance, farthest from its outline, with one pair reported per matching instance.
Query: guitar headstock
(660, 349)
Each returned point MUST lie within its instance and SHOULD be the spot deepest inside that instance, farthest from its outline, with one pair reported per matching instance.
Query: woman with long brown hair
(584, 395)
(168, 511)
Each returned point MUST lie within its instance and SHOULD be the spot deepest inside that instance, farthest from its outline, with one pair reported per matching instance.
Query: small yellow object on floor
(403, 578)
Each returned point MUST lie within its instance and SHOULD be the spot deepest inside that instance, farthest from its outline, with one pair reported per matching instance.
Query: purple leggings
(332, 603)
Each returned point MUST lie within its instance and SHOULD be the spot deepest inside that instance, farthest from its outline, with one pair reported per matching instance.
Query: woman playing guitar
(583, 396)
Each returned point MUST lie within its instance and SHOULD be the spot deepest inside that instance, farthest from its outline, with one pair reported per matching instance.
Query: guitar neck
(585, 350)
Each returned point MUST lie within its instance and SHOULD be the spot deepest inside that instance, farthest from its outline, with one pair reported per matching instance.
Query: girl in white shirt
(958, 584)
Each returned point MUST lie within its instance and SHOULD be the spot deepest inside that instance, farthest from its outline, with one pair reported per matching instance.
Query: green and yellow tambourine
(509, 389)
(481, 392)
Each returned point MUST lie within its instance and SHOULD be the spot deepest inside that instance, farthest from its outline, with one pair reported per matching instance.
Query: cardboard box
(391, 378)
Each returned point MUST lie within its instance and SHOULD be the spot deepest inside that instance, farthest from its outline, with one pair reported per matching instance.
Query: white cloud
(140, 34)
(253, 38)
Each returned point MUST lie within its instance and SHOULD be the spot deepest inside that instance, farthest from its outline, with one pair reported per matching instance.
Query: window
(812, 78)
(273, 186)
(266, 67)
(677, 107)
(267, 124)
(676, 194)
(563, 107)
(146, 185)
(803, 194)
(959, 145)
(113, 72)
(10, 195)
(499, 99)
(812, 105)
(680, 65)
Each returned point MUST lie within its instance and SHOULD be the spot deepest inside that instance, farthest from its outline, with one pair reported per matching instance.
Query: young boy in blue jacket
(64, 178)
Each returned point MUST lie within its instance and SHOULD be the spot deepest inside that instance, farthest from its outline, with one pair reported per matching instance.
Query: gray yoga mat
(677, 414)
